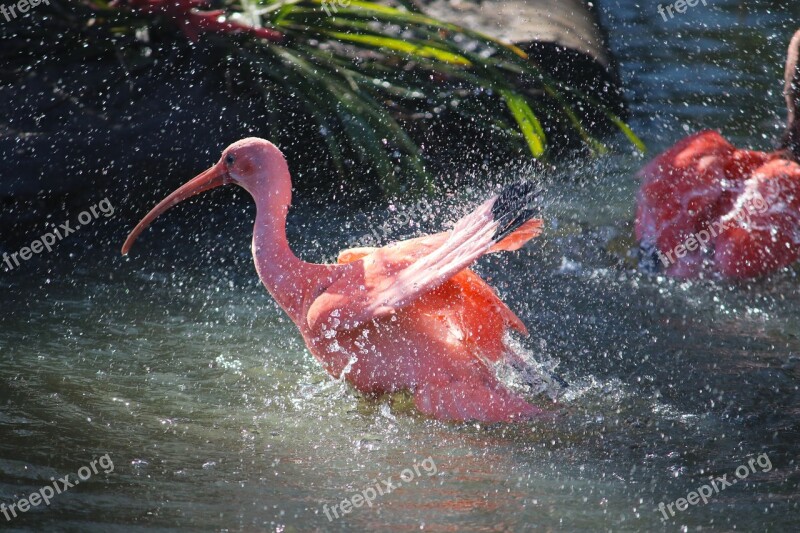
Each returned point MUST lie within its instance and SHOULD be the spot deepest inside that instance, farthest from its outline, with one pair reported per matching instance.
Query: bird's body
(408, 316)
(704, 205)
(707, 206)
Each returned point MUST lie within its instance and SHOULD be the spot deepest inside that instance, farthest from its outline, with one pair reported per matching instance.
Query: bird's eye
(229, 159)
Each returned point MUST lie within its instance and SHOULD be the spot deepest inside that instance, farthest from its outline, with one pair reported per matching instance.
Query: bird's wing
(389, 278)
(478, 293)
(413, 249)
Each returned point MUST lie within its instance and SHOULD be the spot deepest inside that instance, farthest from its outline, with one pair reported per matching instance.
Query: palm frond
(362, 70)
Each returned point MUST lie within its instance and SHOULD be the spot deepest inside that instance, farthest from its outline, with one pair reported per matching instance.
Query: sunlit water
(177, 363)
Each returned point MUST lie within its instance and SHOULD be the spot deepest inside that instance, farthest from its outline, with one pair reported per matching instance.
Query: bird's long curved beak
(213, 177)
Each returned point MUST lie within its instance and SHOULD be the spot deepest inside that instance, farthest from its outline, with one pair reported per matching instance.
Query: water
(177, 364)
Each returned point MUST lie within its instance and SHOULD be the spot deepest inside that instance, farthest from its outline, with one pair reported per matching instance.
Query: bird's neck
(287, 278)
(791, 139)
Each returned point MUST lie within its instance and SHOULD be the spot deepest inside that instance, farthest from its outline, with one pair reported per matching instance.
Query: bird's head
(254, 164)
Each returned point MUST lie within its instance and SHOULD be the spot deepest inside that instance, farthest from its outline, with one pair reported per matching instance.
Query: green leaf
(409, 47)
(627, 131)
(528, 123)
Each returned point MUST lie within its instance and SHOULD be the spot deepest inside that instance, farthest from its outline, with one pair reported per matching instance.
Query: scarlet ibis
(409, 316)
(705, 206)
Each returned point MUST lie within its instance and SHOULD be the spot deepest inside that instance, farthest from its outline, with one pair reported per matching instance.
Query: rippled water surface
(177, 364)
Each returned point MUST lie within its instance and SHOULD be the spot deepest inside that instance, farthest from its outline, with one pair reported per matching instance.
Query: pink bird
(705, 206)
(409, 316)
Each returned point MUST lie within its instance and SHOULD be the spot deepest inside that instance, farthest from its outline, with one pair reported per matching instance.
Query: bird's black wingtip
(513, 207)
